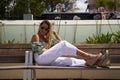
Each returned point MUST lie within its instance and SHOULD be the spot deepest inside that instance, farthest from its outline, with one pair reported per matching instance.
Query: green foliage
(9, 41)
(116, 37)
(103, 38)
(19, 9)
(111, 4)
(16, 12)
(37, 7)
(99, 3)
(2, 9)
(108, 4)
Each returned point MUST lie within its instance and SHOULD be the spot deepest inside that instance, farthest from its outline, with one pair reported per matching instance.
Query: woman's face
(44, 29)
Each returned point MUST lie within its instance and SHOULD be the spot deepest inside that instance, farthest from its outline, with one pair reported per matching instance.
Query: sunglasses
(46, 29)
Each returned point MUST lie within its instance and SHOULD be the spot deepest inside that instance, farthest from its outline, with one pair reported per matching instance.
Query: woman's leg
(85, 55)
(91, 59)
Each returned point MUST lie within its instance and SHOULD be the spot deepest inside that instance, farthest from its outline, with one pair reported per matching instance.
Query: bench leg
(70, 79)
(34, 74)
(29, 74)
(25, 75)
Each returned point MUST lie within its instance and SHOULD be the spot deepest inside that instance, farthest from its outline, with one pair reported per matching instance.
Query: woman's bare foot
(93, 59)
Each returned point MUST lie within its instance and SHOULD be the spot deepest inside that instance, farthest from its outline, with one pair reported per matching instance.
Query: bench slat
(15, 46)
(58, 67)
(12, 67)
(13, 51)
(115, 59)
(104, 46)
(12, 59)
(97, 50)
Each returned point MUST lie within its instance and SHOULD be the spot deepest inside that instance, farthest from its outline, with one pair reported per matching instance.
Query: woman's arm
(35, 38)
(56, 35)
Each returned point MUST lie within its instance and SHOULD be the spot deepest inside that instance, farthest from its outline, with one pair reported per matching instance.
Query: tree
(111, 4)
(19, 9)
(2, 9)
(37, 8)
(16, 12)
(108, 4)
(99, 3)
(5, 8)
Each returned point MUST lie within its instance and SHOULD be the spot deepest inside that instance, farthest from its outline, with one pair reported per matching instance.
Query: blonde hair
(48, 38)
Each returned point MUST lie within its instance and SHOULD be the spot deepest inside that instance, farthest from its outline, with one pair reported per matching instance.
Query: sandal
(105, 60)
(92, 62)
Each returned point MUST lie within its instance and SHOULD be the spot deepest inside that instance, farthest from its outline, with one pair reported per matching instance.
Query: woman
(48, 51)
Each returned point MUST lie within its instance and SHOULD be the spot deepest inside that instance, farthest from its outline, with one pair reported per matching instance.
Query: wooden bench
(21, 53)
(12, 54)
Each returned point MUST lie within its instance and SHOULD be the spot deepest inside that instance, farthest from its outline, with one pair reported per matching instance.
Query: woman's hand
(44, 49)
(54, 32)
(56, 35)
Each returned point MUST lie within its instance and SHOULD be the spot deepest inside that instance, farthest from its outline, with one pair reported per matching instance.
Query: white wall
(69, 30)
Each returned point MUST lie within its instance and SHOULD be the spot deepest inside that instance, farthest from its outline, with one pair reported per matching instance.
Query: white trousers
(53, 55)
